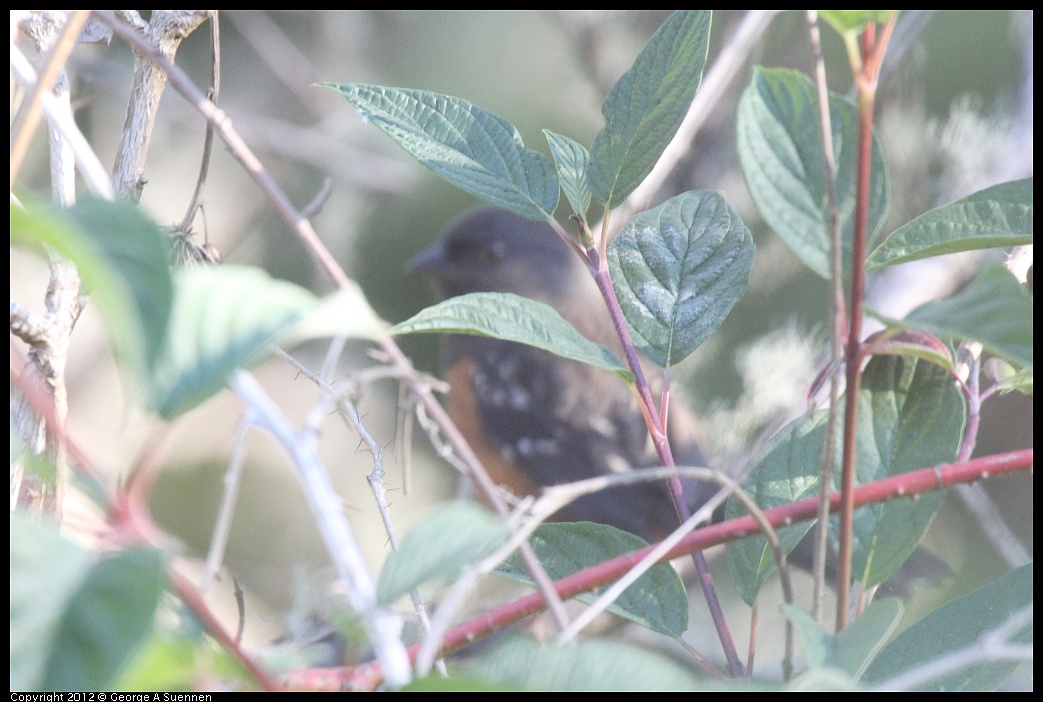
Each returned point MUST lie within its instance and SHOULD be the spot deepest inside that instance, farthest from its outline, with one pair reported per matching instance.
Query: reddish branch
(369, 675)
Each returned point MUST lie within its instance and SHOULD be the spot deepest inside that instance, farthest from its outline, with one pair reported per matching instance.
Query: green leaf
(1007, 377)
(513, 318)
(439, 547)
(345, 312)
(955, 626)
(1020, 381)
(656, 600)
(455, 682)
(647, 105)
(571, 159)
(993, 217)
(123, 260)
(169, 662)
(107, 621)
(854, 648)
(473, 149)
(787, 473)
(224, 318)
(46, 572)
(227, 318)
(678, 269)
(591, 665)
(910, 416)
(139, 254)
(994, 309)
(780, 149)
(75, 622)
(847, 21)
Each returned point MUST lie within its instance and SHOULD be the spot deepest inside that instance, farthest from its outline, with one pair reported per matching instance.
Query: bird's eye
(495, 252)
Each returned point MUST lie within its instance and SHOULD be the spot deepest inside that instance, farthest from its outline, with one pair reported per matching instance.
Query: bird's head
(492, 250)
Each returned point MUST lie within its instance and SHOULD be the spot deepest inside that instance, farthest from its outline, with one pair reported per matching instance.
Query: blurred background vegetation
(954, 112)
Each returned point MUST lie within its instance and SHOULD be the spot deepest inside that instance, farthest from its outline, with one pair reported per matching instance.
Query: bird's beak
(427, 261)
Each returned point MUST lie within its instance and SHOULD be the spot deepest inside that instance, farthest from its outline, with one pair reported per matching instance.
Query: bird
(536, 419)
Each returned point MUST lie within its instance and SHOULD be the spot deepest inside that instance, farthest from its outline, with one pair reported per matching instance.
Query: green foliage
(958, 625)
(183, 334)
(123, 260)
(587, 666)
(780, 149)
(514, 318)
(646, 106)
(94, 617)
(850, 21)
(176, 660)
(994, 217)
(910, 416)
(571, 159)
(657, 600)
(678, 269)
(455, 682)
(852, 650)
(228, 318)
(471, 148)
(787, 473)
(83, 622)
(440, 547)
(106, 620)
(914, 418)
(912, 343)
(994, 310)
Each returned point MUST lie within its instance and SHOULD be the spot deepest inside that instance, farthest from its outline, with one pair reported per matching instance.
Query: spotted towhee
(536, 419)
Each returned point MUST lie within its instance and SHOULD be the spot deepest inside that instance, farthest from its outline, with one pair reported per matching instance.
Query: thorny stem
(304, 230)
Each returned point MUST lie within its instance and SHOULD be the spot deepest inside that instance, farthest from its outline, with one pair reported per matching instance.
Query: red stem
(191, 597)
(906, 485)
(657, 430)
(866, 95)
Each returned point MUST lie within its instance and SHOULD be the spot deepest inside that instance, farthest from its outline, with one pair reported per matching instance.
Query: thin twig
(974, 497)
(223, 525)
(162, 35)
(337, 396)
(188, 593)
(656, 430)
(837, 315)
(325, 260)
(60, 120)
(25, 121)
(907, 485)
(302, 447)
(213, 94)
(717, 79)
